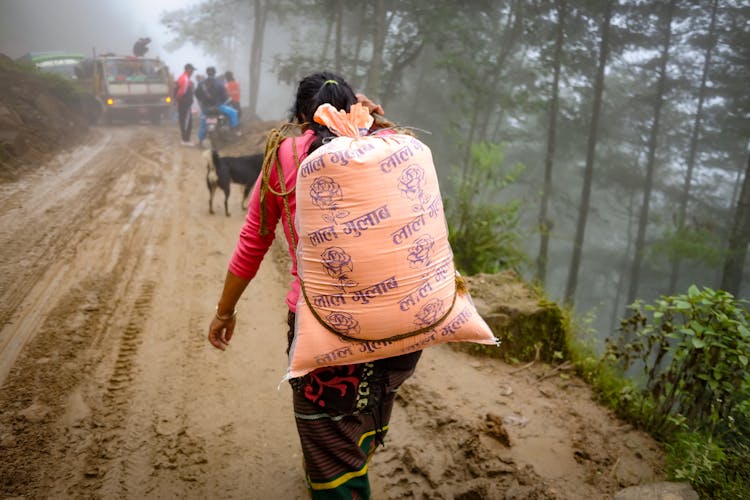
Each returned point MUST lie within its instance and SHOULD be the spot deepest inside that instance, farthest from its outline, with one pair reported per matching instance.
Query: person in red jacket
(233, 89)
(184, 99)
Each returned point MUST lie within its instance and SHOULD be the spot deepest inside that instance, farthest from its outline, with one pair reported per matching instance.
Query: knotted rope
(271, 157)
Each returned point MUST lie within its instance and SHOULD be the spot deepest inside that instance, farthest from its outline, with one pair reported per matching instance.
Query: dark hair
(211, 71)
(314, 90)
(229, 76)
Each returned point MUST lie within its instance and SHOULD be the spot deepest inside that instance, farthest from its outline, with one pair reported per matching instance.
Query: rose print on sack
(429, 313)
(419, 252)
(337, 263)
(343, 323)
(325, 193)
(410, 185)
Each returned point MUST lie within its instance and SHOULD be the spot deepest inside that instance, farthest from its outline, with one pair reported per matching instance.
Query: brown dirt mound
(39, 115)
(529, 326)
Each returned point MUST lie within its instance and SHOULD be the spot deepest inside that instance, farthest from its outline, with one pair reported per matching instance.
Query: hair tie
(330, 81)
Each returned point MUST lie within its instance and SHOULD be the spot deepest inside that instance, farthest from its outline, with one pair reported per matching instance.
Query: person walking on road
(184, 98)
(337, 434)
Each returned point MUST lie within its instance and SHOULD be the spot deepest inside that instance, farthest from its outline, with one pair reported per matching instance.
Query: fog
(99, 26)
(467, 76)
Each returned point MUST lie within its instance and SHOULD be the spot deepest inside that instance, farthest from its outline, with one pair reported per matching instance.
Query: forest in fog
(604, 143)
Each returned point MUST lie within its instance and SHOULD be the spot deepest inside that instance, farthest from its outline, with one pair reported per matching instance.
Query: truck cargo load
(128, 87)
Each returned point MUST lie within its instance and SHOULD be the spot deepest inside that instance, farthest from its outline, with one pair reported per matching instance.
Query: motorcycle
(218, 128)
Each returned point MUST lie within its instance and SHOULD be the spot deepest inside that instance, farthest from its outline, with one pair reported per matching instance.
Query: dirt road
(110, 270)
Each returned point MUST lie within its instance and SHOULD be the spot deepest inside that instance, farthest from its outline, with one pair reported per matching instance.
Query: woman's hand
(371, 106)
(222, 325)
(220, 331)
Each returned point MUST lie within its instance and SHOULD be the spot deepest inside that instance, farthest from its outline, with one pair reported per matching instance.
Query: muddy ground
(110, 269)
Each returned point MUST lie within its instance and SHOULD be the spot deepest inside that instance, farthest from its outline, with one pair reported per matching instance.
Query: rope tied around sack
(271, 157)
(355, 124)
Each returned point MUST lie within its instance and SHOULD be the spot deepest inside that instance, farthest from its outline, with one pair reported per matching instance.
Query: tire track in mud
(27, 241)
(71, 381)
(35, 424)
(106, 465)
(120, 445)
(174, 462)
(52, 401)
(38, 249)
(148, 440)
(143, 407)
(35, 256)
(178, 451)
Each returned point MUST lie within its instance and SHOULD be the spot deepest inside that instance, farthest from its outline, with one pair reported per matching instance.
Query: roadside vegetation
(677, 368)
(63, 89)
(40, 113)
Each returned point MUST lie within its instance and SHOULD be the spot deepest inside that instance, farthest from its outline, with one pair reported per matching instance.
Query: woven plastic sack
(373, 258)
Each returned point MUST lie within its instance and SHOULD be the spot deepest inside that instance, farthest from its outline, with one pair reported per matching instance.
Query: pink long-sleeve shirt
(251, 246)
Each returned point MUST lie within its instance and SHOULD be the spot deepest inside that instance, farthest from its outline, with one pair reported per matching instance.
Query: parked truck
(127, 87)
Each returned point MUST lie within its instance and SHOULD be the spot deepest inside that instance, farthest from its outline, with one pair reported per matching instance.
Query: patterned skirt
(342, 414)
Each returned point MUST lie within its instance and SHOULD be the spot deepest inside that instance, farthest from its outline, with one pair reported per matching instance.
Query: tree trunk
(375, 73)
(623, 265)
(583, 211)
(512, 31)
(357, 80)
(545, 225)
(738, 181)
(467, 147)
(327, 38)
(230, 49)
(339, 26)
(425, 71)
(684, 198)
(640, 240)
(484, 102)
(256, 53)
(400, 63)
(734, 264)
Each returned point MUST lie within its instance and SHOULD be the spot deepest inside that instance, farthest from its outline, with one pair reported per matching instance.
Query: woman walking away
(338, 429)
